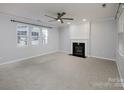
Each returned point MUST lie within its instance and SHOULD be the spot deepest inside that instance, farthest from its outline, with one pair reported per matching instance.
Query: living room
(61, 46)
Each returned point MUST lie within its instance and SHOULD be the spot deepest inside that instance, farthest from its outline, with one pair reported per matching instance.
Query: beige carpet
(60, 71)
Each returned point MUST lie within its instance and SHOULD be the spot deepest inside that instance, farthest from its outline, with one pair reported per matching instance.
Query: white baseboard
(21, 59)
(67, 52)
(103, 58)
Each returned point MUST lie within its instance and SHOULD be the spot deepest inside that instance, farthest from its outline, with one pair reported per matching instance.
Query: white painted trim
(21, 59)
(120, 74)
(67, 52)
(86, 41)
(103, 58)
(120, 53)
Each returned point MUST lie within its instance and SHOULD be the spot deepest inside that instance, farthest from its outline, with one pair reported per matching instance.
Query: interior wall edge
(120, 74)
(104, 58)
(119, 61)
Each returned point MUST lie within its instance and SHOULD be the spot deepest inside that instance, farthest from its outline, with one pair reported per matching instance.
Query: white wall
(100, 34)
(75, 31)
(103, 39)
(79, 31)
(64, 39)
(8, 47)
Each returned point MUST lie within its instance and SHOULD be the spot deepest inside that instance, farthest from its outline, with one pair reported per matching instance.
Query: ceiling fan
(59, 17)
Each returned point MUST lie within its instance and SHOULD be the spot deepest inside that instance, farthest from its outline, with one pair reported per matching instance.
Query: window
(22, 35)
(45, 36)
(32, 34)
(35, 35)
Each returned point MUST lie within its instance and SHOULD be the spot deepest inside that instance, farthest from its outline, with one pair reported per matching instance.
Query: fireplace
(79, 49)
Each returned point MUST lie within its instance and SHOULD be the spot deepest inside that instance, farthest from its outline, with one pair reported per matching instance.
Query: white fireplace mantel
(85, 40)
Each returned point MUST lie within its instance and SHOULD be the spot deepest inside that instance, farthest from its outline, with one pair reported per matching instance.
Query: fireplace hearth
(78, 49)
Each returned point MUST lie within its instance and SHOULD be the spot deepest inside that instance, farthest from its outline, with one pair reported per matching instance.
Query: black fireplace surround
(79, 49)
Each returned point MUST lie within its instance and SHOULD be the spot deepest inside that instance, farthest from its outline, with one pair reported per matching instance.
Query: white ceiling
(78, 11)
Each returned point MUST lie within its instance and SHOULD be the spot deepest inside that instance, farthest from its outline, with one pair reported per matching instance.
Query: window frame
(22, 46)
(43, 36)
(42, 40)
(39, 39)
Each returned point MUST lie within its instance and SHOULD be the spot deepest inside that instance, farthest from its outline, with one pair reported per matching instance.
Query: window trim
(30, 38)
(24, 46)
(43, 36)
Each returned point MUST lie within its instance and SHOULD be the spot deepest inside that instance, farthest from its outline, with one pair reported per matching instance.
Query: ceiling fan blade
(50, 16)
(61, 21)
(61, 14)
(51, 20)
(68, 18)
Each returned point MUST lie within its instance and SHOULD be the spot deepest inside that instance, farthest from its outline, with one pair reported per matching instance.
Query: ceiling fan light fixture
(84, 20)
(58, 20)
(59, 17)
(68, 23)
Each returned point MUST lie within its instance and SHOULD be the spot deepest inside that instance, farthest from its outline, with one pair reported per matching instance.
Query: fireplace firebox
(79, 49)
